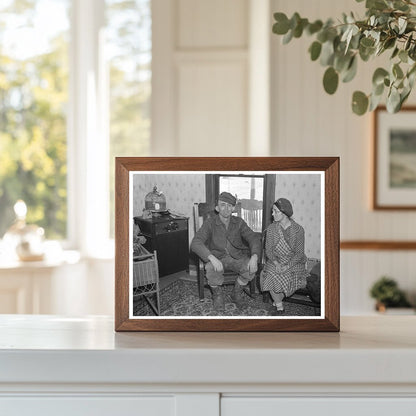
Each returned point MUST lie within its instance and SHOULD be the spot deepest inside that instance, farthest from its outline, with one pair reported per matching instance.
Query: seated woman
(284, 271)
(138, 240)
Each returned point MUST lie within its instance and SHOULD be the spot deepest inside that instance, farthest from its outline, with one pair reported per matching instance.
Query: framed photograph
(227, 244)
(394, 180)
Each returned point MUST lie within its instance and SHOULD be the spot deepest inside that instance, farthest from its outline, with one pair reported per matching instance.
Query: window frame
(212, 187)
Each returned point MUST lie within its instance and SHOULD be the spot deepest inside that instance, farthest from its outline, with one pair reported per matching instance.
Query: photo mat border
(328, 165)
(322, 242)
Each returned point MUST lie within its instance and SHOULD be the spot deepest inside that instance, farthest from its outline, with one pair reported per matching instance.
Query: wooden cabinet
(168, 236)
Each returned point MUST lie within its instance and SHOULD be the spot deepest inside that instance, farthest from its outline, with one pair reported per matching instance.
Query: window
(33, 99)
(249, 191)
(129, 45)
(75, 87)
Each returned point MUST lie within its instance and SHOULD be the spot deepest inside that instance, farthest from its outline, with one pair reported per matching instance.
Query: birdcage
(155, 201)
(146, 279)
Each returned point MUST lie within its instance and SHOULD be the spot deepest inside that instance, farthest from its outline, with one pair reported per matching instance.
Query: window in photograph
(249, 193)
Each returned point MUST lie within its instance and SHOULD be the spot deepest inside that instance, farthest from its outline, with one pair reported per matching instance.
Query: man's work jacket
(238, 241)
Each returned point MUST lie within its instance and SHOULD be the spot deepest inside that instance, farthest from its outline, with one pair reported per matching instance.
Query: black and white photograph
(226, 244)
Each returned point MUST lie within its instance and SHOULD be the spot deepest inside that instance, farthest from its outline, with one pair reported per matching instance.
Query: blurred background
(84, 81)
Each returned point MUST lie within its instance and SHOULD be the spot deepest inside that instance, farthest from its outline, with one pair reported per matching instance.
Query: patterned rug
(180, 298)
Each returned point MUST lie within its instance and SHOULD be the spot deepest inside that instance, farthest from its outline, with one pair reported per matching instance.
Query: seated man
(220, 242)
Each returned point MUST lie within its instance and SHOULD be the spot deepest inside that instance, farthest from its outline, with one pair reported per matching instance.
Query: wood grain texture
(330, 165)
(378, 245)
(121, 244)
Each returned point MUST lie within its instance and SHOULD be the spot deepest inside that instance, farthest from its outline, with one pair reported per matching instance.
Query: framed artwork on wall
(227, 244)
(394, 178)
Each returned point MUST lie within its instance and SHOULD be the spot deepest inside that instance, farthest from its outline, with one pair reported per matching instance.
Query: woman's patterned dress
(288, 248)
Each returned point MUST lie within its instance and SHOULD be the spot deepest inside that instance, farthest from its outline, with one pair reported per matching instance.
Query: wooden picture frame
(394, 159)
(135, 169)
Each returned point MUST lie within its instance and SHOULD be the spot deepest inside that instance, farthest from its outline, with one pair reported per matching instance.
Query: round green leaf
(403, 55)
(298, 30)
(359, 103)
(330, 80)
(374, 102)
(408, 42)
(351, 71)
(322, 36)
(395, 52)
(281, 26)
(314, 27)
(389, 43)
(327, 54)
(342, 61)
(393, 101)
(367, 42)
(397, 71)
(288, 37)
(379, 75)
(315, 50)
(365, 53)
(378, 90)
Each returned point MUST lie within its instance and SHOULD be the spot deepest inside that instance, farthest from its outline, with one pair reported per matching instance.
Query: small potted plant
(387, 294)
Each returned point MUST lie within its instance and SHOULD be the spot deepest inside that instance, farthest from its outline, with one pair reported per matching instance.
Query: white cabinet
(79, 366)
(88, 406)
(322, 406)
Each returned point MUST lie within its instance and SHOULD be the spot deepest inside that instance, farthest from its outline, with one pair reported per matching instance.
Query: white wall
(308, 122)
(201, 81)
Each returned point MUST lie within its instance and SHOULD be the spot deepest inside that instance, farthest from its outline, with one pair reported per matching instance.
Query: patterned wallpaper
(181, 192)
(304, 192)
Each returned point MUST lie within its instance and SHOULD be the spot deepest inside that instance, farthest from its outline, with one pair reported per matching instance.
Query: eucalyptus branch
(389, 25)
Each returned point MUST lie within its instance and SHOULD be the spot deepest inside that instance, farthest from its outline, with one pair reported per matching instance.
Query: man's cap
(227, 197)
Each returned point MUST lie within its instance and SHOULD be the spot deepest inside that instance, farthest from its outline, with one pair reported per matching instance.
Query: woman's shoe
(279, 306)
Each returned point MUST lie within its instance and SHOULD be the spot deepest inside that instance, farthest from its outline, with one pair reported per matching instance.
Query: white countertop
(53, 349)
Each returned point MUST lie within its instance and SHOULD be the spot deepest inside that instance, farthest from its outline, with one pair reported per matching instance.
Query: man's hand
(252, 264)
(218, 267)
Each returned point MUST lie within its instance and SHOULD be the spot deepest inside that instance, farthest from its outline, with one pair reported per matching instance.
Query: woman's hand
(280, 268)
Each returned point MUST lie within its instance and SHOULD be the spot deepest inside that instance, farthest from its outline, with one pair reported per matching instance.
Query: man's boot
(237, 294)
(218, 298)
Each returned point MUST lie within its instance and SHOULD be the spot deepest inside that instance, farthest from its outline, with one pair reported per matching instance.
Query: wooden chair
(146, 278)
(202, 211)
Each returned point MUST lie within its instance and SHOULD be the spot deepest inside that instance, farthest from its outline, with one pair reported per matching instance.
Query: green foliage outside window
(34, 103)
(129, 38)
(33, 97)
